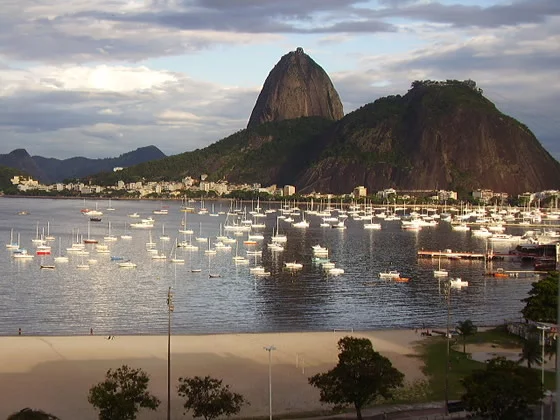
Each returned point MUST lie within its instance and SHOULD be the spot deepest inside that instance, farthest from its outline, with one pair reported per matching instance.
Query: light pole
(170, 308)
(269, 350)
(543, 328)
(447, 292)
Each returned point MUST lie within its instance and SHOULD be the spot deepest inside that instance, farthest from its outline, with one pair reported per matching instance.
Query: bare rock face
(296, 87)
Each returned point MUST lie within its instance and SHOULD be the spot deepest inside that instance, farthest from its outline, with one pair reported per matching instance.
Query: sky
(98, 78)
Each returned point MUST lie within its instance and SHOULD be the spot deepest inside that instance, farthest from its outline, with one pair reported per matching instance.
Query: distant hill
(440, 135)
(50, 170)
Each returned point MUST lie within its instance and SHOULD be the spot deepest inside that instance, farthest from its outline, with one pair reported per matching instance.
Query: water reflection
(132, 301)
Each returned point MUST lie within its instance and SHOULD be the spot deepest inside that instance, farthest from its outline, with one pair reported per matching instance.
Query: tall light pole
(170, 308)
(543, 328)
(269, 350)
(447, 292)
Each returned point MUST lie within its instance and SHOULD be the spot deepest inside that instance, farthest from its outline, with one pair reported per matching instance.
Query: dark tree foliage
(465, 329)
(208, 398)
(361, 375)
(29, 414)
(531, 352)
(122, 394)
(502, 391)
(542, 303)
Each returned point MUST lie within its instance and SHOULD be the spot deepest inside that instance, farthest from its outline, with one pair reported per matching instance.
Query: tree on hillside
(208, 398)
(122, 394)
(531, 352)
(542, 303)
(29, 414)
(502, 391)
(361, 375)
(465, 329)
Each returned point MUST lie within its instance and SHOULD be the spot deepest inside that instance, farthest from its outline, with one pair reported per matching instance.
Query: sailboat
(163, 236)
(49, 237)
(201, 238)
(89, 240)
(60, 257)
(277, 237)
(110, 237)
(210, 251)
(184, 228)
(110, 208)
(440, 272)
(126, 235)
(173, 256)
(38, 239)
(12, 244)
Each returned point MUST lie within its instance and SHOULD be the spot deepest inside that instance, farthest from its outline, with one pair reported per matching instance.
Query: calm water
(113, 300)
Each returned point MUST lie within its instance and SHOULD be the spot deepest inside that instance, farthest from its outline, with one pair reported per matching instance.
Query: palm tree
(466, 328)
(531, 352)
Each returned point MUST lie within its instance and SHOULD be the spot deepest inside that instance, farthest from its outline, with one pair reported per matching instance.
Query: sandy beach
(55, 373)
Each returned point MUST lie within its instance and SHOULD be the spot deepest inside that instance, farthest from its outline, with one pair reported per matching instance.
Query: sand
(55, 373)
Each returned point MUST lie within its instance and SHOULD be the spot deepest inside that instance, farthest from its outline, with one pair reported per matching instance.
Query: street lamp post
(447, 292)
(269, 350)
(543, 328)
(170, 308)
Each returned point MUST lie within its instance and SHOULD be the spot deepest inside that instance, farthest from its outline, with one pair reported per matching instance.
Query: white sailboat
(12, 244)
(163, 236)
(200, 238)
(173, 255)
(126, 235)
(440, 272)
(110, 237)
(60, 258)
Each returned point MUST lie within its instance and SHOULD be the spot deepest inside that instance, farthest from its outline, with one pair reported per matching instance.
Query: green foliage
(466, 328)
(6, 174)
(531, 352)
(542, 303)
(29, 414)
(208, 398)
(122, 394)
(251, 155)
(361, 376)
(502, 391)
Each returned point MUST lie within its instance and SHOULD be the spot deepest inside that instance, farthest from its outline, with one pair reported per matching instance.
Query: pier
(447, 253)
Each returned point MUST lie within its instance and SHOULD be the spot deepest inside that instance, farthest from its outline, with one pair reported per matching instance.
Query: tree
(531, 352)
(465, 329)
(208, 398)
(121, 395)
(361, 375)
(502, 391)
(542, 303)
(29, 414)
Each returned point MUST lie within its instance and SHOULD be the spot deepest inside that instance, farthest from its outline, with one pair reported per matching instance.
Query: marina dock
(452, 255)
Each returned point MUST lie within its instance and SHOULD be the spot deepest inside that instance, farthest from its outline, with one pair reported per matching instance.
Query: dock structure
(447, 253)
(515, 273)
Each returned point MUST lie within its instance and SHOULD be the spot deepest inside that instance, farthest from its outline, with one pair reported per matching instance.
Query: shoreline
(54, 373)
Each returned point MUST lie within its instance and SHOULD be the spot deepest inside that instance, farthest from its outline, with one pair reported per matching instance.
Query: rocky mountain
(440, 135)
(50, 170)
(296, 87)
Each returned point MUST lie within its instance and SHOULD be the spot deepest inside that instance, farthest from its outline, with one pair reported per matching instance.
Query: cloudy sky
(99, 78)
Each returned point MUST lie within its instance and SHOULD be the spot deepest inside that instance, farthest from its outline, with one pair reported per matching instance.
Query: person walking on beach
(19, 331)
(91, 331)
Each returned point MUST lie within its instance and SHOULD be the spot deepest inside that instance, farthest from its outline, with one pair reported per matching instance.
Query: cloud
(462, 15)
(516, 68)
(109, 110)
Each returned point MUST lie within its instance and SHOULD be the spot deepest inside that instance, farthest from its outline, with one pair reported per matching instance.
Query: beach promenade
(55, 373)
